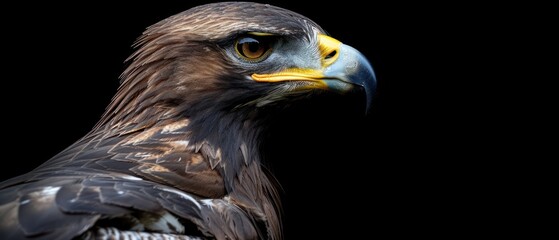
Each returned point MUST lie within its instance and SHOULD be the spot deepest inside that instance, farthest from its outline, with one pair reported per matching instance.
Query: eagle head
(234, 57)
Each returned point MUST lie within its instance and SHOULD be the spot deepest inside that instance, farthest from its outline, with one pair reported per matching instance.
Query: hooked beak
(342, 68)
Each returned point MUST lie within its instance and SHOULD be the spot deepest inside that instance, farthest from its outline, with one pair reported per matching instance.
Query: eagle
(177, 153)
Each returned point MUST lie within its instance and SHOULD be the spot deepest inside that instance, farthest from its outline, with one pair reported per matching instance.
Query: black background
(406, 169)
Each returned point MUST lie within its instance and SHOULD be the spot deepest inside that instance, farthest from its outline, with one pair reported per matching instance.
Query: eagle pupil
(253, 46)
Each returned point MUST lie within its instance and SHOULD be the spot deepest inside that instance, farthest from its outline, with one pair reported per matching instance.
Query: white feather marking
(26, 201)
(114, 234)
(182, 142)
(44, 195)
(174, 126)
(208, 202)
(142, 155)
(199, 146)
(128, 177)
(162, 224)
(49, 191)
(117, 234)
(182, 194)
(244, 152)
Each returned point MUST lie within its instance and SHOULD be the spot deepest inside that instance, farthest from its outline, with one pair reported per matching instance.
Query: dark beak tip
(368, 82)
(366, 78)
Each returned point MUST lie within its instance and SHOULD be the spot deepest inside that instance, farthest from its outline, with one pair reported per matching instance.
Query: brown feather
(179, 138)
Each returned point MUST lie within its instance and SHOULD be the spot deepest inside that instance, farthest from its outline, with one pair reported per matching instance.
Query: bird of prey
(176, 154)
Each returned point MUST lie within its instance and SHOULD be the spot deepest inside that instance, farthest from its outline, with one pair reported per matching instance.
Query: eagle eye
(253, 48)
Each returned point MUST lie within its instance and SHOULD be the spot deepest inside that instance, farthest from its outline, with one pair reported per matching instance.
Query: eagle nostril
(331, 55)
